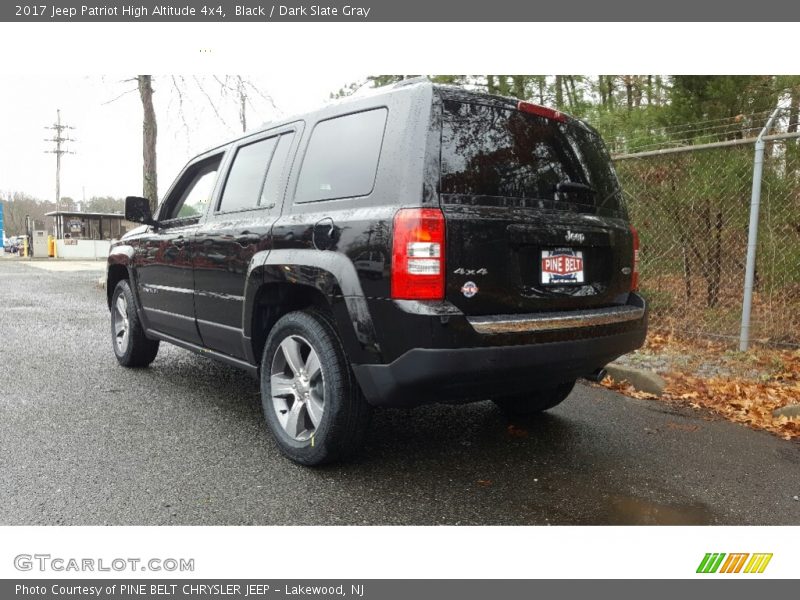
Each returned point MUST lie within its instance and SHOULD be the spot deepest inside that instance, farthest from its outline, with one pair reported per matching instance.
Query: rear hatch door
(534, 215)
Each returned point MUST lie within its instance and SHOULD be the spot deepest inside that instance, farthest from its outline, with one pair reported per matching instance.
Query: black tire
(136, 350)
(345, 414)
(534, 403)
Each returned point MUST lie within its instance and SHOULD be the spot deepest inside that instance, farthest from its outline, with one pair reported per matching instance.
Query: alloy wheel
(297, 387)
(121, 324)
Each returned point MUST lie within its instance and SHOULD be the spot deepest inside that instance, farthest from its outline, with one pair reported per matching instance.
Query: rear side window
(246, 176)
(491, 151)
(342, 157)
(271, 194)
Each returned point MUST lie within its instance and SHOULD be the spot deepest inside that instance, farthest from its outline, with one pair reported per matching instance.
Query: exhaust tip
(597, 375)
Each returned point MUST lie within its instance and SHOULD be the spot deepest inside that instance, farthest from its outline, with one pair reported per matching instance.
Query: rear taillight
(541, 111)
(635, 274)
(418, 254)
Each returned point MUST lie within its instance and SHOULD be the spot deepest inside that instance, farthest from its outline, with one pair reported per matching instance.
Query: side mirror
(138, 210)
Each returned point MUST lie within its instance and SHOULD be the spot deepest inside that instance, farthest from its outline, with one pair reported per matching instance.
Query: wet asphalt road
(84, 442)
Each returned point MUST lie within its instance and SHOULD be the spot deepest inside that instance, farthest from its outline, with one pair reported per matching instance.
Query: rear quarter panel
(362, 226)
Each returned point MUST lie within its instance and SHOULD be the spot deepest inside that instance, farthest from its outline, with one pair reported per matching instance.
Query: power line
(60, 137)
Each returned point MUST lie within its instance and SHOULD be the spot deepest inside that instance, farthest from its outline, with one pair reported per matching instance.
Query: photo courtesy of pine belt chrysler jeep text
(417, 244)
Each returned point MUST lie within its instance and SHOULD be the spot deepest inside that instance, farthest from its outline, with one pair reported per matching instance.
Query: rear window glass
(498, 152)
(342, 157)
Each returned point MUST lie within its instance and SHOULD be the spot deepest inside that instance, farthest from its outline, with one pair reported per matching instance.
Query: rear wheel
(533, 403)
(311, 401)
(131, 347)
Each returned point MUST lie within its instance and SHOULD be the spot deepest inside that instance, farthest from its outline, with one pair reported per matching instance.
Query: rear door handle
(246, 238)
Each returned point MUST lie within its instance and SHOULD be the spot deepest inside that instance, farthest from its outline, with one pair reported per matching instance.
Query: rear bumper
(555, 321)
(426, 375)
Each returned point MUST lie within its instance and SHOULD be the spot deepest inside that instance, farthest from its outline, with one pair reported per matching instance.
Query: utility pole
(59, 138)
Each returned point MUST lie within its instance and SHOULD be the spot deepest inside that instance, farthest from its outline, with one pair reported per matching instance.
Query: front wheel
(131, 347)
(525, 405)
(311, 401)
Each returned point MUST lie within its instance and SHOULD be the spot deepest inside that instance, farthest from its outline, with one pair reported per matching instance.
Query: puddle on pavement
(623, 510)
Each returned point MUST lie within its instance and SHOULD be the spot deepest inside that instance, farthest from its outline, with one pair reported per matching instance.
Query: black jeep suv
(416, 245)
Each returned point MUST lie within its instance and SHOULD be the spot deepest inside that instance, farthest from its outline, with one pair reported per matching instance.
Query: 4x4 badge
(469, 289)
(463, 271)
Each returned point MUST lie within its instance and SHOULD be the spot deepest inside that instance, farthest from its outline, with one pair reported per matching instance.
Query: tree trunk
(610, 90)
(559, 93)
(149, 134)
(502, 85)
(601, 87)
(659, 87)
(571, 91)
(242, 92)
(518, 86)
(637, 91)
(491, 85)
(687, 274)
(628, 81)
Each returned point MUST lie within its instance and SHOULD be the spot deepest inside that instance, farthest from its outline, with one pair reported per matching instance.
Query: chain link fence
(691, 206)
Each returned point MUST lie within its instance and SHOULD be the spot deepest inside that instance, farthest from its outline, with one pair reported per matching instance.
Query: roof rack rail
(412, 81)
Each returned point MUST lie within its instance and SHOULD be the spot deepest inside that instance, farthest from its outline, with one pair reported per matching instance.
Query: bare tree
(242, 90)
(149, 135)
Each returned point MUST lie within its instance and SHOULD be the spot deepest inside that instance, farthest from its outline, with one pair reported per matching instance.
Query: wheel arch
(282, 281)
(117, 269)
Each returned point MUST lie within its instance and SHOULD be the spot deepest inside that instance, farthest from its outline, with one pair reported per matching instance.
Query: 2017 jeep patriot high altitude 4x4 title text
(420, 244)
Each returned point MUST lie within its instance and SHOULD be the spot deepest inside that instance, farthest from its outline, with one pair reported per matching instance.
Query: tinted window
(195, 192)
(491, 151)
(246, 176)
(272, 192)
(342, 157)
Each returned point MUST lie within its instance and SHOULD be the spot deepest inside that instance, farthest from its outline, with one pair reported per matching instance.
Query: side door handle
(180, 241)
(245, 238)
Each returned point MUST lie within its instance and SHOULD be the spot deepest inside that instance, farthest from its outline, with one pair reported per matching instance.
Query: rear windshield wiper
(573, 186)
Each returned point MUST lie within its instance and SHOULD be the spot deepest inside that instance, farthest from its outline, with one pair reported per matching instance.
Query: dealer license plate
(562, 265)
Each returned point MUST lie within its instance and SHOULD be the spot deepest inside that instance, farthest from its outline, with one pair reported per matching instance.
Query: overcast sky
(108, 150)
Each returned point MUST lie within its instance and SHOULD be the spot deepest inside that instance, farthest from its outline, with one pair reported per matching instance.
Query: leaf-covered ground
(742, 387)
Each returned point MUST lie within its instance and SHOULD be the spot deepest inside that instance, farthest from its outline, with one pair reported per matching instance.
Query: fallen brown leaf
(738, 396)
